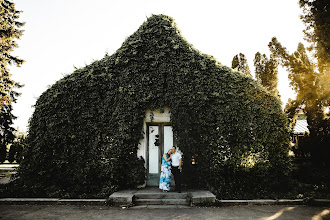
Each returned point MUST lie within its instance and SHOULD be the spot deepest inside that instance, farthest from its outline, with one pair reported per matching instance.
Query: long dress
(165, 175)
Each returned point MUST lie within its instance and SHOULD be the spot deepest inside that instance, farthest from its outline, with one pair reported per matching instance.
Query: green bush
(84, 133)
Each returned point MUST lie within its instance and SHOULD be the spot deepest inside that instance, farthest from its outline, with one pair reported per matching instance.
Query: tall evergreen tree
(9, 32)
(266, 71)
(240, 63)
(6, 130)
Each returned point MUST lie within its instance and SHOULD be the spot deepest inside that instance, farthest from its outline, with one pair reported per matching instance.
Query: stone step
(160, 207)
(160, 202)
(160, 195)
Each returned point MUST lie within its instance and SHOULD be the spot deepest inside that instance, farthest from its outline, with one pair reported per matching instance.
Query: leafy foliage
(312, 96)
(311, 81)
(316, 17)
(266, 72)
(84, 133)
(240, 64)
(6, 122)
(9, 31)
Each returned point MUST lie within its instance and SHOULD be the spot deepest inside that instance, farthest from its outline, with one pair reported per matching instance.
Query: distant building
(300, 128)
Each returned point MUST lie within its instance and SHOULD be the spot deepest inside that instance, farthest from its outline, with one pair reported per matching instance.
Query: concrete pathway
(277, 212)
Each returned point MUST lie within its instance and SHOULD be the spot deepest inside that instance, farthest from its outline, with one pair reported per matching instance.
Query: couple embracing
(171, 163)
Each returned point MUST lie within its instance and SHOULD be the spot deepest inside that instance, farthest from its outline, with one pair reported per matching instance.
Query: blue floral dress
(165, 175)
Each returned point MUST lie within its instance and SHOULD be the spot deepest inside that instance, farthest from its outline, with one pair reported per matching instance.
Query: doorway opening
(159, 140)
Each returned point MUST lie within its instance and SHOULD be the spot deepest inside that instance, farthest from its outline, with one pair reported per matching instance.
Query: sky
(63, 34)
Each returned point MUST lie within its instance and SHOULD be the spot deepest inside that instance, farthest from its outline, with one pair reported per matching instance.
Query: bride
(165, 175)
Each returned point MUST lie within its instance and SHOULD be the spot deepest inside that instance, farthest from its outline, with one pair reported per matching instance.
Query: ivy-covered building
(94, 131)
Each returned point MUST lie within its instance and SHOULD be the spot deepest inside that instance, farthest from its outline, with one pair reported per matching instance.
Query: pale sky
(63, 34)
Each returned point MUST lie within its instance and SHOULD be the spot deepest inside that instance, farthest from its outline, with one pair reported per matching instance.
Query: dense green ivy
(84, 133)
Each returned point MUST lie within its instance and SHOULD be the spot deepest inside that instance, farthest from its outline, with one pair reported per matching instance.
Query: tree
(311, 89)
(311, 81)
(9, 31)
(6, 130)
(316, 17)
(266, 72)
(240, 64)
(303, 77)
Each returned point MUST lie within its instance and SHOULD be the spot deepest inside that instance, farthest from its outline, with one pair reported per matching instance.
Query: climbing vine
(84, 133)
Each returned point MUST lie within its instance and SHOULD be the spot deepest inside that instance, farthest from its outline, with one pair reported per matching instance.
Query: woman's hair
(167, 154)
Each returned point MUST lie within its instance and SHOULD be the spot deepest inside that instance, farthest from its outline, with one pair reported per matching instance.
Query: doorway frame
(161, 141)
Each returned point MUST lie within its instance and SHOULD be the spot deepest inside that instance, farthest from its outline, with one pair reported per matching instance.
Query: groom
(176, 168)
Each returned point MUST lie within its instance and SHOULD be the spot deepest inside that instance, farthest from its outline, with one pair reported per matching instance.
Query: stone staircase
(160, 198)
(152, 197)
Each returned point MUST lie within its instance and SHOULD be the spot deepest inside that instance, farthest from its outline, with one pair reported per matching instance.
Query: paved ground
(101, 212)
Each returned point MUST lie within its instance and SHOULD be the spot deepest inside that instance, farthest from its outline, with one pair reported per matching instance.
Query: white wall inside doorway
(158, 116)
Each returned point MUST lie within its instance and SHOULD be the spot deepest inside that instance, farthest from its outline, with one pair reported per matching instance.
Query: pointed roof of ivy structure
(157, 55)
(87, 126)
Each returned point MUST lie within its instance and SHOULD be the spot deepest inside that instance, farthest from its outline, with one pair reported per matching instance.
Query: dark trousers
(177, 178)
